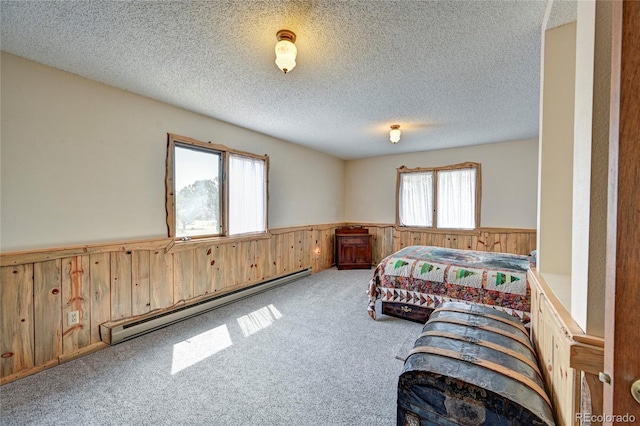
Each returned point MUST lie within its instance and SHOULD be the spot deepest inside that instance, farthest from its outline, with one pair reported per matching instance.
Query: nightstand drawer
(355, 240)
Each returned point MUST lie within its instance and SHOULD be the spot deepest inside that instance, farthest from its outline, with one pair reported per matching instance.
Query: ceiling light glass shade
(394, 134)
(286, 55)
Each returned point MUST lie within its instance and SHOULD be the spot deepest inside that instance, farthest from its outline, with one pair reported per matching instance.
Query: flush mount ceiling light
(394, 134)
(286, 51)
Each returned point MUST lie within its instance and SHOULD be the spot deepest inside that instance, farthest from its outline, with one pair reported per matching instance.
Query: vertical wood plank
(182, 276)
(396, 240)
(532, 242)
(16, 300)
(76, 296)
(424, 239)
(160, 279)
(326, 246)
(475, 242)
(511, 243)
(291, 254)
(431, 239)
(301, 250)
(100, 275)
(329, 236)
(232, 253)
(263, 257)
(495, 238)
(524, 243)
(308, 248)
(281, 253)
(120, 285)
(220, 270)
(389, 241)
(140, 282)
(265, 263)
(490, 242)
(451, 241)
(482, 242)
(297, 250)
(464, 242)
(47, 304)
(376, 243)
(502, 243)
(407, 239)
(400, 237)
(315, 247)
(242, 263)
(202, 271)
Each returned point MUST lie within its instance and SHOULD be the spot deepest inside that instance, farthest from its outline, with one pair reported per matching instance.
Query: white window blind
(247, 195)
(457, 199)
(416, 199)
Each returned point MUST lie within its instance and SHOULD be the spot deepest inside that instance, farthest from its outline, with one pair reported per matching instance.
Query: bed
(415, 280)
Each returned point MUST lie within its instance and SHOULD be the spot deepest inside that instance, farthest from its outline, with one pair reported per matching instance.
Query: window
(213, 190)
(439, 197)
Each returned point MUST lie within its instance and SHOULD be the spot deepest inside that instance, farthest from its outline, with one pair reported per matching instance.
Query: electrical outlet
(73, 318)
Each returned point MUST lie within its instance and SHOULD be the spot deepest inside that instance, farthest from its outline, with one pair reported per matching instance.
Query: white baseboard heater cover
(114, 334)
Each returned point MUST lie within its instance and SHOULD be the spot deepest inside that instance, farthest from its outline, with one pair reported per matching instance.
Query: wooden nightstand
(353, 248)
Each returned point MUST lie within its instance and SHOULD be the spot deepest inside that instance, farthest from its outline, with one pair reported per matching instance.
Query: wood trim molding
(477, 231)
(180, 245)
(61, 359)
(170, 205)
(41, 255)
(211, 145)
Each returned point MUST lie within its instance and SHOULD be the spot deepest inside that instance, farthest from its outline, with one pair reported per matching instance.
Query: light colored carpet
(305, 353)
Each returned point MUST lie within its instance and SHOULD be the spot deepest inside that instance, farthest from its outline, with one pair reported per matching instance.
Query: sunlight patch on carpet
(258, 320)
(200, 347)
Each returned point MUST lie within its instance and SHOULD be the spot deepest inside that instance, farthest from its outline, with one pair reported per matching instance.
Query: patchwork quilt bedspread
(428, 276)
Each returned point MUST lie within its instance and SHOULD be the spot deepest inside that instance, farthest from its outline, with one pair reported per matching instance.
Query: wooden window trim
(467, 165)
(225, 152)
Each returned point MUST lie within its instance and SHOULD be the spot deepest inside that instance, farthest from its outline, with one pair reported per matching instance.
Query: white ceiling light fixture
(394, 134)
(286, 51)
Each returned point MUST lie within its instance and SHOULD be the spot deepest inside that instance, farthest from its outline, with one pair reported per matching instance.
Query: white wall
(509, 182)
(83, 162)
(585, 42)
(556, 153)
(591, 143)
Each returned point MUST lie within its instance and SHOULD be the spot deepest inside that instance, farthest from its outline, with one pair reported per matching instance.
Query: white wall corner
(583, 123)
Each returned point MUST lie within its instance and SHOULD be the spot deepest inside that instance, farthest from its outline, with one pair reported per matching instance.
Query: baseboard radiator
(114, 333)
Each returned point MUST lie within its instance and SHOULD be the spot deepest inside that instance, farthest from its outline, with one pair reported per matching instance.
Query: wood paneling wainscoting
(115, 281)
(127, 280)
(388, 239)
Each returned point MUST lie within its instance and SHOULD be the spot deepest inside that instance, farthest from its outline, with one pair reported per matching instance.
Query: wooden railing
(566, 354)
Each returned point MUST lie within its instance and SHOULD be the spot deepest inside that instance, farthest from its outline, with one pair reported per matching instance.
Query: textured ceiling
(451, 73)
